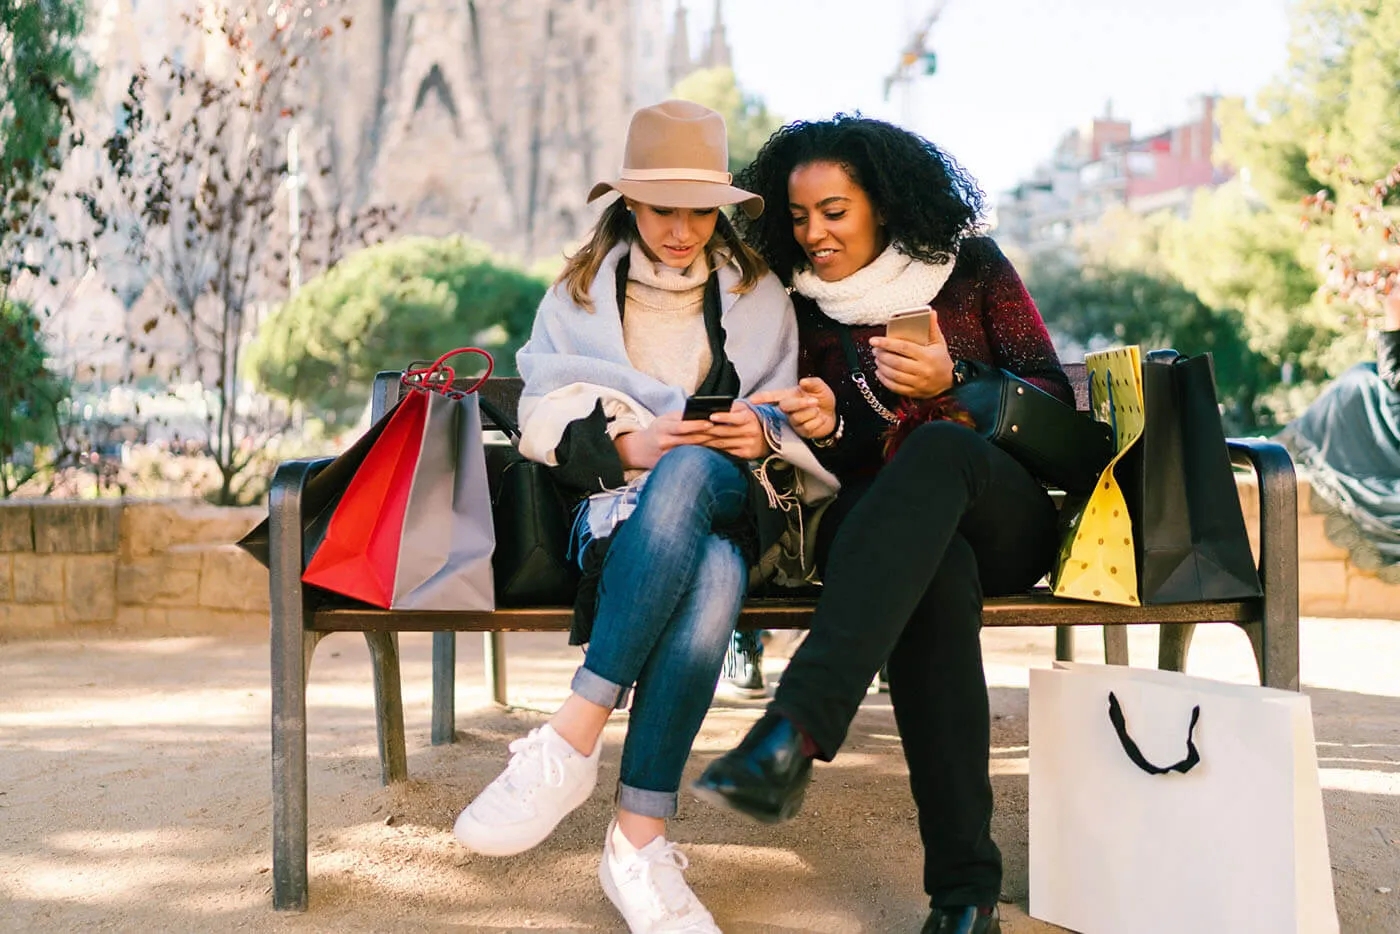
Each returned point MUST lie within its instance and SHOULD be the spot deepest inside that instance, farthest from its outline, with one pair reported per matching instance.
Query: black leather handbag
(532, 519)
(1053, 441)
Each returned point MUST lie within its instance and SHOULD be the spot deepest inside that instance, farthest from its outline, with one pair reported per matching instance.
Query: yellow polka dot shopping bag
(1164, 523)
(1096, 560)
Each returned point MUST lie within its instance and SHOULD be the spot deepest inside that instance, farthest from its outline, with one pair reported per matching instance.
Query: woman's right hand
(640, 450)
(810, 406)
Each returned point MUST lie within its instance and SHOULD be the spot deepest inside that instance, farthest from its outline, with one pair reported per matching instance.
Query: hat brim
(681, 194)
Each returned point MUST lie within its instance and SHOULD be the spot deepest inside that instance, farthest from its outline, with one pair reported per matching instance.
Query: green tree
(1363, 274)
(745, 115)
(384, 307)
(42, 71)
(1325, 127)
(1120, 291)
(193, 185)
(30, 395)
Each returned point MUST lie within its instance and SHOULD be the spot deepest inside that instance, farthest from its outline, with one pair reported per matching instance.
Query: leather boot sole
(788, 810)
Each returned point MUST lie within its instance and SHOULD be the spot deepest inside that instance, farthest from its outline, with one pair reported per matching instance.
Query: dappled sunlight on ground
(135, 792)
(1364, 781)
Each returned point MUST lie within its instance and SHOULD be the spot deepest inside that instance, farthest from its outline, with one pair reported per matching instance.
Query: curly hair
(929, 202)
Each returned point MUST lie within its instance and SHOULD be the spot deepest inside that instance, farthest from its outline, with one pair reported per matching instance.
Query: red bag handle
(430, 378)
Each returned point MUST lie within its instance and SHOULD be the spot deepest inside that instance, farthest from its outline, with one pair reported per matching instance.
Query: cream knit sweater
(664, 327)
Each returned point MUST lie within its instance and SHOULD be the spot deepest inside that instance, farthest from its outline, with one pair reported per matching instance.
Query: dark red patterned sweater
(985, 314)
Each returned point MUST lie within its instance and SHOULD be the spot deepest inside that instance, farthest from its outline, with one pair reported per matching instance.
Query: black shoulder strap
(624, 266)
(723, 379)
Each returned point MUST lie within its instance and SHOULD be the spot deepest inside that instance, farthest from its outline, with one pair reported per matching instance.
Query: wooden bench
(1270, 621)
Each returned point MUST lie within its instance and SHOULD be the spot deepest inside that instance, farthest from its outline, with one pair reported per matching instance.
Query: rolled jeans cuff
(599, 690)
(657, 804)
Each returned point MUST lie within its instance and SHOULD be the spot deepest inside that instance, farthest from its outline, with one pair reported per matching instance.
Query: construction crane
(917, 59)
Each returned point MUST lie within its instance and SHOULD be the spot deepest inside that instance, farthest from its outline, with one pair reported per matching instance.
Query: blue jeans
(668, 597)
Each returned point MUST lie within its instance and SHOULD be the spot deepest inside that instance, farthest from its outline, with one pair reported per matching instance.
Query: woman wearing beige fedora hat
(663, 302)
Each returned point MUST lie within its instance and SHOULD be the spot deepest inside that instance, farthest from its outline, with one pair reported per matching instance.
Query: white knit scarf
(891, 282)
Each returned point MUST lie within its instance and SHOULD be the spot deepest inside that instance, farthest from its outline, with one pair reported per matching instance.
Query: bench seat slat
(1033, 609)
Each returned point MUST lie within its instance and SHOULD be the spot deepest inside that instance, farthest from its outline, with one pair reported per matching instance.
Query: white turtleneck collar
(642, 268)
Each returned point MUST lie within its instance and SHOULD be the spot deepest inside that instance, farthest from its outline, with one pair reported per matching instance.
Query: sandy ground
(135, 793)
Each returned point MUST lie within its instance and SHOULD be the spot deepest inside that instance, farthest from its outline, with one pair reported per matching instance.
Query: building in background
(485, 117)
(488, 118)
(715, 54)
(1101, 165)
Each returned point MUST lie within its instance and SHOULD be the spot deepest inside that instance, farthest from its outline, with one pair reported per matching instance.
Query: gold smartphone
(910, 324)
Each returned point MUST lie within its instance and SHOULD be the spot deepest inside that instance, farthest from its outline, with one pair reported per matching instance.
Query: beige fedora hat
(677, 156)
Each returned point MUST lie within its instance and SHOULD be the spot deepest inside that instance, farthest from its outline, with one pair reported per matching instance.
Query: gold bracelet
(835, 435)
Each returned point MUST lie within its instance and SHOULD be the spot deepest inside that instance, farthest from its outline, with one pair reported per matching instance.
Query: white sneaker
(545, 780)
(648, 887)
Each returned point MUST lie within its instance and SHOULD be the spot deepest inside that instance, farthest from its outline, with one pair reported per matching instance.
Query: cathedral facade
(487, 118)
(490, 118)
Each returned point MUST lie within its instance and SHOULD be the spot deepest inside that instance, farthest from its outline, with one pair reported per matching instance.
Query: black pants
(906, 559)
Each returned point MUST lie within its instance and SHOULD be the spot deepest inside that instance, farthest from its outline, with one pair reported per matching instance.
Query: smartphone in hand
(910, 324)
(700, 408)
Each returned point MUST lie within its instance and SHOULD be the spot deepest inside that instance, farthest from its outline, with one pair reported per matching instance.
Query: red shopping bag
(366, 542)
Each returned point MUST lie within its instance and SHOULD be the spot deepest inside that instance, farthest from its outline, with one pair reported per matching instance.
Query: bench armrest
(1276, 642)
(285, 523)
(1278, 506)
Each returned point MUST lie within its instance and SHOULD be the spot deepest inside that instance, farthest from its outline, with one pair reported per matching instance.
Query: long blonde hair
(617, 225)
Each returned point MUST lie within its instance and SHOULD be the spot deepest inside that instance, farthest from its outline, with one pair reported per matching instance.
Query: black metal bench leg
(291, 659)
(1275, 647)
(388, 706)
(444, 688)
(1173, 644)
(1275, 639)
(1064, 643)
(495, 659)
(291, 649)
(1255, 631)
(1115, 645)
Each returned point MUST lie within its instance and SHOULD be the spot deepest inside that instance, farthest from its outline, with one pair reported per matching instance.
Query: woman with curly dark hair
(931, 517)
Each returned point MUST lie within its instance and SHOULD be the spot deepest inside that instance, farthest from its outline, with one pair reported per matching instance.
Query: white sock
(559, 743)
(622, 847)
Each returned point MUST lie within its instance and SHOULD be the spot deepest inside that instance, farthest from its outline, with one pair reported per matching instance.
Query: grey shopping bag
(413, 529)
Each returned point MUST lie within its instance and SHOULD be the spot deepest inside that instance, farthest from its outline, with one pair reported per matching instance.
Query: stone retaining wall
(160, 567)
(169, 568)
(1328, 583)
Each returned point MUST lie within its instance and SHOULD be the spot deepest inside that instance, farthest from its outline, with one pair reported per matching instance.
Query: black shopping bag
(1188, 528)
(318, 501)
(533, 522)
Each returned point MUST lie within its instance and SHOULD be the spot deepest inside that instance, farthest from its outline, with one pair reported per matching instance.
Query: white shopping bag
(1233, 841)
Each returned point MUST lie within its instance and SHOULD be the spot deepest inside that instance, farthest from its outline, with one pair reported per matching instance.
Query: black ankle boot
(765, 776)
(968, 919)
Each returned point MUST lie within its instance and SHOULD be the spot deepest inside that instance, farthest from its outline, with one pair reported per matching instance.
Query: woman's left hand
(738, 432)
(914, 370)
